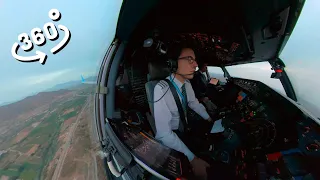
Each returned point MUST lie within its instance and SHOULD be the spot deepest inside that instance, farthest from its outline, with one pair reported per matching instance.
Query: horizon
(45, 90)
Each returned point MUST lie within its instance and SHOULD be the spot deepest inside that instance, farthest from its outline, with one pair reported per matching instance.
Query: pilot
(167, 119)
(200, 83)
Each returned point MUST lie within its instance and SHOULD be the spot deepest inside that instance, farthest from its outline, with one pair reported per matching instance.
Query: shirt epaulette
(163, 84)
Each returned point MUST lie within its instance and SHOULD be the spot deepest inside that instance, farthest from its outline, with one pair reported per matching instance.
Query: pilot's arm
(163, 118)
(194, 104)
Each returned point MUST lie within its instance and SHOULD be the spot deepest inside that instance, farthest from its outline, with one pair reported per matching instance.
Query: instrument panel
(284, 142)
(309, 137)
(160, 158)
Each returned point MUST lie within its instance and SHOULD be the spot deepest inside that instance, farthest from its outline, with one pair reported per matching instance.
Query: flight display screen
(241, 96)
(160, 158)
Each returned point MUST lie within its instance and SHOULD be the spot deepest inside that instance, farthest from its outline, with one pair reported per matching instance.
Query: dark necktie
(184, 106)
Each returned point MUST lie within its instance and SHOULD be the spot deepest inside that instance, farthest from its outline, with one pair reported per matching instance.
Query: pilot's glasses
(190, 59)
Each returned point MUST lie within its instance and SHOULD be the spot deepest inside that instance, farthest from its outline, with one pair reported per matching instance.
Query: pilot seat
(158, 70)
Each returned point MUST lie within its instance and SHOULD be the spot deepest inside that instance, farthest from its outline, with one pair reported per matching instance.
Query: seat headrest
(158, 70)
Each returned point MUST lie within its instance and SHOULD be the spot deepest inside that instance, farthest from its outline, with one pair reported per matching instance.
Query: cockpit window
(216, 72)
(301, 57)
(260, 71)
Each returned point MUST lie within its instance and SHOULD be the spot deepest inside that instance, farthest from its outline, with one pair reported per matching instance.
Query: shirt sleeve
(164, 133)
(194, 104)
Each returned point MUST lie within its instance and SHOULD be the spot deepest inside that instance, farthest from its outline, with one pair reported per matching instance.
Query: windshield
(301, 57)
(260, 71)
(216, 72)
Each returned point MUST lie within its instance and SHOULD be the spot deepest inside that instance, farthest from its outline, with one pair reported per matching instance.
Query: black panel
(166, 161)
(246, 24)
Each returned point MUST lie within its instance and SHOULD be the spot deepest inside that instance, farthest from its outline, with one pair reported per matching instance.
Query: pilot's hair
(175, 50)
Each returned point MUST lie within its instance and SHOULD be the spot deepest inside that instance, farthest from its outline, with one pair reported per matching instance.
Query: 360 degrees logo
(39, 39)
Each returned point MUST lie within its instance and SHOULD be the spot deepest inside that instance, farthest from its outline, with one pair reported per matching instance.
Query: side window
(216, 72)
(301, 56)
(260, 71)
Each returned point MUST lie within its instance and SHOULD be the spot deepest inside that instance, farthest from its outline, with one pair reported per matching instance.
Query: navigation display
(160, 158)
(241, 96)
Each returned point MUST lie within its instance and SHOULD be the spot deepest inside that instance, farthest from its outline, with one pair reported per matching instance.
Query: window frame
(120, 158)
(284, 78)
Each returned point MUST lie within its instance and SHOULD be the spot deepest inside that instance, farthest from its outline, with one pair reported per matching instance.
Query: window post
(278, 66)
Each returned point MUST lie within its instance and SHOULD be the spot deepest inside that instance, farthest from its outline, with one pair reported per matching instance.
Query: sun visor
(132, 12)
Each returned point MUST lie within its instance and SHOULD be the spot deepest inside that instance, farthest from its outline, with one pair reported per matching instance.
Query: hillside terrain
(43, 134)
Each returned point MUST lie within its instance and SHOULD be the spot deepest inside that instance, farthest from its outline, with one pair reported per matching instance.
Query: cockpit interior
(272, 138)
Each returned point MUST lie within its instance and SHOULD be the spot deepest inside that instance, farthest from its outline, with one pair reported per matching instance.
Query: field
(34, 147)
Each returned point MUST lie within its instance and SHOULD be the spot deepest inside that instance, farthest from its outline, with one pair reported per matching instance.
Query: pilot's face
(187, 63)
(204, 68)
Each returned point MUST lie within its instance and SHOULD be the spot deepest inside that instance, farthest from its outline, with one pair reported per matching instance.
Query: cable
(164, 93)
(169, 88)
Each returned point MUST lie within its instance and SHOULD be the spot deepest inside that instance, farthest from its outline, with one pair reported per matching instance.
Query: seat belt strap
(179, 105)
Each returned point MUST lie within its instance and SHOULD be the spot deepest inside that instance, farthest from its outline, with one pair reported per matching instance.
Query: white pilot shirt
(205, 75)
(167, 117)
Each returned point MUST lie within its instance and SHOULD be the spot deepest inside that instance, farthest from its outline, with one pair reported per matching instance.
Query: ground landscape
(50, 136)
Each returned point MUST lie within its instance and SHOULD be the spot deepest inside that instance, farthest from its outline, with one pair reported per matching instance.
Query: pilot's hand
(214, 81)
(204, 99)
(199, 167)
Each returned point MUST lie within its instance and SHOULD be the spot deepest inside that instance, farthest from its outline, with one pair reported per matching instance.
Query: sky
(91, 23)
(260, 71)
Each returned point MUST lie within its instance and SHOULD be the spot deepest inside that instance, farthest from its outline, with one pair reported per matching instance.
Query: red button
(274, 156)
